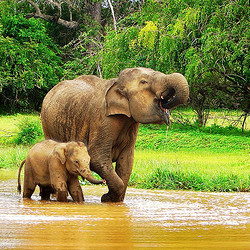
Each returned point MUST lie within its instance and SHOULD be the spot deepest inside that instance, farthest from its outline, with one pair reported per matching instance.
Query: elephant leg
(58, 182)
(61, 196)
(28, 184)
(45, 192)
(75, 189)
(61, 190)
(28, 190)
(124, 167)
(114, 182)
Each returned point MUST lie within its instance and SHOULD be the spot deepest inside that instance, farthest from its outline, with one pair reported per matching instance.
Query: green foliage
(29, 63)
(205, 40)
(12, 156)
(82, 61)
(118, 52)
(30, 132)
(147, 35)
(165, 178)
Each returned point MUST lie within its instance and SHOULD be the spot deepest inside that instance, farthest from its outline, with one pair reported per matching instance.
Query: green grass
(192, 138)
(12, 156)
(215, 158)
(10, 126)
(194, 170)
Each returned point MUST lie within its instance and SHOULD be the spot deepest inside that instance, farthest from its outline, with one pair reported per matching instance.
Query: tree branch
(56, 18)
(70, 11)
(113, 14)
(58, 5)
(228, 76)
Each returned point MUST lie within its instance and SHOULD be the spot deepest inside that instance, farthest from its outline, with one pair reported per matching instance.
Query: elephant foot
(106, 198)
(62, 196)
(111, 198)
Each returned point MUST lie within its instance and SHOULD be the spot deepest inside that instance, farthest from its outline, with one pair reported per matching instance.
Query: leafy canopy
(29, 61)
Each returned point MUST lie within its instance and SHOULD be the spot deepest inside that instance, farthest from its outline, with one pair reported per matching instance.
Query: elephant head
(146, 95)
(75, 157)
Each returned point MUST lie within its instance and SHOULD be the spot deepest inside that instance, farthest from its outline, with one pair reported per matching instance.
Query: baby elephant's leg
(59, 184)
(45, 192)
(28, 184)
(60, 187)
(61, 196)
(28, 190)
(75, 189)
(61, 191)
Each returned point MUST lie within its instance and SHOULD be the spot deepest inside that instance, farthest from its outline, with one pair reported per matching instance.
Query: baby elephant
(55, 167)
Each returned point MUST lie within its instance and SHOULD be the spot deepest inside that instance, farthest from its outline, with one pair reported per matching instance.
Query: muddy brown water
(146, 219)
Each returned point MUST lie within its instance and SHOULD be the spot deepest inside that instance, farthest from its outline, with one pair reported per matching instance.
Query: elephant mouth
(162, 103)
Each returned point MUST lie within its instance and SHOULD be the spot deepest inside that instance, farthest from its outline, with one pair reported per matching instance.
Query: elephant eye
(143, 81)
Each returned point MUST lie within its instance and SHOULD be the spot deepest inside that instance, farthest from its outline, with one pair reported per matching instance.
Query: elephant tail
(19, 173)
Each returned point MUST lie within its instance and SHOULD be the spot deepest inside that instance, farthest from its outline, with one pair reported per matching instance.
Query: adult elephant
(106, 114)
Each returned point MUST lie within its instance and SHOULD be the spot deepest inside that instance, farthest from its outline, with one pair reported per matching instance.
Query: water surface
(146, 219)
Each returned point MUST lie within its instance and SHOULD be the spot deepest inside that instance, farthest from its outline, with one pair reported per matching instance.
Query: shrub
(175, 179)
(30, 132)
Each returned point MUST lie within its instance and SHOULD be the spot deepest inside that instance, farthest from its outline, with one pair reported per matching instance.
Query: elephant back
(71, 106)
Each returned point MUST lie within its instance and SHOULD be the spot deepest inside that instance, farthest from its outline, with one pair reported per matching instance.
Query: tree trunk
(202, 116)
(244, 121)
(96, 11)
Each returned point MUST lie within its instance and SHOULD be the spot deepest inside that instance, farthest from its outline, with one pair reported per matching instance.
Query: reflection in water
(163, 219)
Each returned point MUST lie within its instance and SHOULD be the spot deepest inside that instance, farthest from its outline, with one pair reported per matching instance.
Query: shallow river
(146, 219)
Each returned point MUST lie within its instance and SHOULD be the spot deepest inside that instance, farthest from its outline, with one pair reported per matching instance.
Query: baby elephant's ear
(84, 148)
(81, 144)
(59, 152)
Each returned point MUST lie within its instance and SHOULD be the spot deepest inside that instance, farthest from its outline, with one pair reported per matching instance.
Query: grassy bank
(214, 158)
(188, 157)
(16, 139)
(194, 170)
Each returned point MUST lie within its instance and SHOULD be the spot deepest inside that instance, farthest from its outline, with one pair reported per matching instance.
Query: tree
(79, 27)
(57, 16)
(85, 52)
(205, 40)
(218, 62)
(29, 61)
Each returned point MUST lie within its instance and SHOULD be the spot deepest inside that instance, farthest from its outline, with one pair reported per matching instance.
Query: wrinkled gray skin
(55, 167)
(107, 113)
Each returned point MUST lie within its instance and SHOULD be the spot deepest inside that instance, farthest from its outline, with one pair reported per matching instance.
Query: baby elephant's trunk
(90, 178)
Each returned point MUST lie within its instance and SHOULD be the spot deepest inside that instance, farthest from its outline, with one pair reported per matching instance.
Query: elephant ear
(116, 101)
(82, 144)
(59, 152)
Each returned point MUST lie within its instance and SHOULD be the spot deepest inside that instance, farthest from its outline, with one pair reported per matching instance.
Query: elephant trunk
(177, 91)
(92, 180)
(87, 175)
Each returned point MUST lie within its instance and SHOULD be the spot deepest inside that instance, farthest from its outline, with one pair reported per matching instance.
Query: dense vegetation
(42, 42)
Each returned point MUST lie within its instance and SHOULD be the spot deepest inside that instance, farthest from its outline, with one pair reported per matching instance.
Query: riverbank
(194, 170)
(186, 157)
